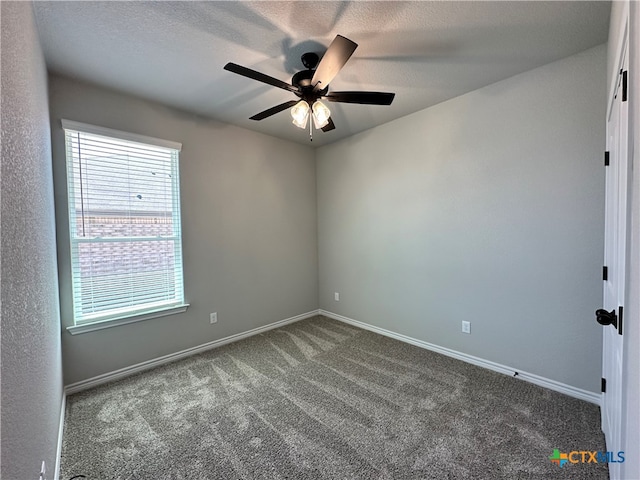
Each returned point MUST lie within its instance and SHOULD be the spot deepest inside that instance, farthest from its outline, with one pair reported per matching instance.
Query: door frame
(631, 344)
(617, 228)
(627, 16)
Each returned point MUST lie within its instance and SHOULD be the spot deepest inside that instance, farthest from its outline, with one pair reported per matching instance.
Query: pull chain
(311, 130)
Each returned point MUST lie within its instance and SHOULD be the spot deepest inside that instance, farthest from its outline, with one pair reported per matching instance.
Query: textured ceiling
(425, 52)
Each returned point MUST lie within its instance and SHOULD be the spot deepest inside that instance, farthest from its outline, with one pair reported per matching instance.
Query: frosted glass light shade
(321, 114)
(300, 114)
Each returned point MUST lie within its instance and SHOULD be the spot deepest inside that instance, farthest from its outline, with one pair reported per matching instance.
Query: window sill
(115, 322)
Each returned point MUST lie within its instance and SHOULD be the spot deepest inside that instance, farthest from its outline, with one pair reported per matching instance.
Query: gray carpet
(321, 399)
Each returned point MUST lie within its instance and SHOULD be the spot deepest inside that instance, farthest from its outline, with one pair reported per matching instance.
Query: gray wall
(249, 229)
(31, 360)
(487, 208)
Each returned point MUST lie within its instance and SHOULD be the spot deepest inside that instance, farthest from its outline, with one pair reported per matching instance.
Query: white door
(616, 221)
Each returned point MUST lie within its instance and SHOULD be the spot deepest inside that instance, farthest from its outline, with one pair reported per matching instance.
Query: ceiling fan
(313, 84)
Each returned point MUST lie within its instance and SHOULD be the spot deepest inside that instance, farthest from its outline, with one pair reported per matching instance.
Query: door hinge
(620, 320)
(603, 385)
(606, 159)
(605, 273)
(624, 86)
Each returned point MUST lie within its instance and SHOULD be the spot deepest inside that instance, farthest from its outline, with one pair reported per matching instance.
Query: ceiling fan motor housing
(303, 79)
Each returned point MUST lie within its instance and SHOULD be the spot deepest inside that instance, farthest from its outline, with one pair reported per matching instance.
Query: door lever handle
(607, 318)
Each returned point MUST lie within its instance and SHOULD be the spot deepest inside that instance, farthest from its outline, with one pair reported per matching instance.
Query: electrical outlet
(43, 472)
(213, 317)
(336, 297)
(466, 327)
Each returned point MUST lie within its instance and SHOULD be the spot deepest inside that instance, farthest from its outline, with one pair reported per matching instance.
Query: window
(124, 222)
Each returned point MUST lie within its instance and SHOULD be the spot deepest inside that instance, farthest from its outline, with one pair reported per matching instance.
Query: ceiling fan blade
(329, 126)
(366, 98)
(261, 77)
(333, 60)
(273, 110)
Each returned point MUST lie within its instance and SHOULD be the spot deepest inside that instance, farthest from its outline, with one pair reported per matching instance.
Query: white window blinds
(124, 220)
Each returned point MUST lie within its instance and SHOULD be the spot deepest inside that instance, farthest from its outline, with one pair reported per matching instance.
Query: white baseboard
(63, 406)
(172, 357)
(496, 367)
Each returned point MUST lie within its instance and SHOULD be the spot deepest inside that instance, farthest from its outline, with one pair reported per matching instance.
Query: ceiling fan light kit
(313, 84)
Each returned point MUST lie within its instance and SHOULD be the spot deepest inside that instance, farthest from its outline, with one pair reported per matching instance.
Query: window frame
(121, 316)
